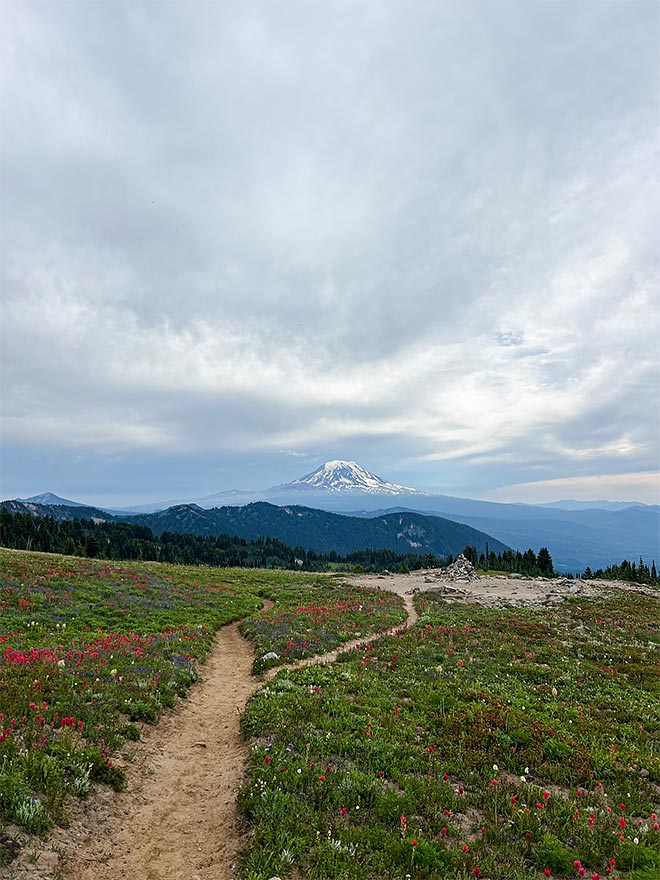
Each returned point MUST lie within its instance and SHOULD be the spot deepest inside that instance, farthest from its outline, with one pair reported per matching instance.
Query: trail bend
(178, 820)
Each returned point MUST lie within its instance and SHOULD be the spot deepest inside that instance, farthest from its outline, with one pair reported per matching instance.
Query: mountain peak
(51, 498)
(347, 476)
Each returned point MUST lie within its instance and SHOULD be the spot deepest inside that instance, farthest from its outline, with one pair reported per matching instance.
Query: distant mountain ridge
(50, 498)
(576, 534)
(296, 526)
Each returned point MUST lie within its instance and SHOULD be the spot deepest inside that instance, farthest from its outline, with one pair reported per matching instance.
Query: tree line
(128, 541)
(528, 563)
(634, 572)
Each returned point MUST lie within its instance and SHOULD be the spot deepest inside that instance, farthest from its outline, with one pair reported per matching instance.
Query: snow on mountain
(51, 498)
(347, 476)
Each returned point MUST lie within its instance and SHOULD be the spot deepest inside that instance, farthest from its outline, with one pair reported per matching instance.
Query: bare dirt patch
(499, 591)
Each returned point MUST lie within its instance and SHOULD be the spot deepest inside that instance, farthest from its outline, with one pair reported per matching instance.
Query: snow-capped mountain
(346, 476)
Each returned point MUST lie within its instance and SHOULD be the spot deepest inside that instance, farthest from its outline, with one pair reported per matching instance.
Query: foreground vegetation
(307, 622)
(482, 743)
(511, 744)
(89, 648)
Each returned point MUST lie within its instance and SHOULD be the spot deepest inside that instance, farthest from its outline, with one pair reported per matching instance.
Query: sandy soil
(179, 821)
(178, 818)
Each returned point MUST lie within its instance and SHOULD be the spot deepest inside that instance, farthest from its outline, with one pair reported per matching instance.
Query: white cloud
(274, 227)
(643, 486)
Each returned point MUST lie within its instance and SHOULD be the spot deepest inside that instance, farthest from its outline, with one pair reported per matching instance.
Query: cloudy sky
(239, 239)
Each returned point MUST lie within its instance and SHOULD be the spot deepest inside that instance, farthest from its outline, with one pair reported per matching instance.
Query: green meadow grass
(87, 649)
(312, 619)
(481, 743)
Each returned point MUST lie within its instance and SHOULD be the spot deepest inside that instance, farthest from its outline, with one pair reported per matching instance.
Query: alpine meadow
(329, 440)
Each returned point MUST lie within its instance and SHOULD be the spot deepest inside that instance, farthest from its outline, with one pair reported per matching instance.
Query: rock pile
(461, 569)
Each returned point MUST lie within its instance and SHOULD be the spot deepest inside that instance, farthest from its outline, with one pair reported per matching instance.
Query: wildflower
(577, 864)
(322, 778)
(466, 848)
(546, 871)
(546, 795)
(622, 822)
(477, 871)
(344, 811)
(414, 843)
(443, 832)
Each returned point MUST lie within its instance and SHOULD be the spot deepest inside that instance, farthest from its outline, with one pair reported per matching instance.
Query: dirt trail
(331, 656)
(178, 820)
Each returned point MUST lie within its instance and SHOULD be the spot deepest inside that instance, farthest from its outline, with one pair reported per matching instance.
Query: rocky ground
(460, 582)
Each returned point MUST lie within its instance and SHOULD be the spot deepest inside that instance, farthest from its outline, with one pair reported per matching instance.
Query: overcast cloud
(239, 239)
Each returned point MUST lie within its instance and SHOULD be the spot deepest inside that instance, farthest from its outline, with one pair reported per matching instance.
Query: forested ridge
(128, 541)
